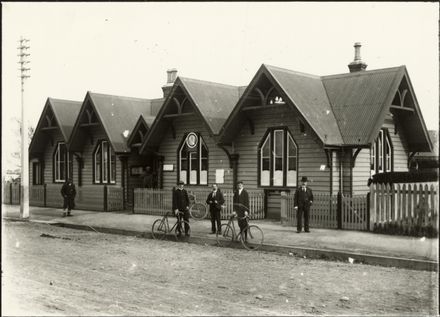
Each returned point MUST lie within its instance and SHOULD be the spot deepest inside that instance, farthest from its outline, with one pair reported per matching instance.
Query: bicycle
(198, 211)
(161, 227)
(252, 242)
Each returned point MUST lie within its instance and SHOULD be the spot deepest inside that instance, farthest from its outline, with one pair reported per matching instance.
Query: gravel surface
(50, 270)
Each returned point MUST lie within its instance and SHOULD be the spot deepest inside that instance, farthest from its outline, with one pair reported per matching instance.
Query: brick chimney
(171, 77)
(357, 65)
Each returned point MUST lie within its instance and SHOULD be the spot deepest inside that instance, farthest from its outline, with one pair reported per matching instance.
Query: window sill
(281, 188)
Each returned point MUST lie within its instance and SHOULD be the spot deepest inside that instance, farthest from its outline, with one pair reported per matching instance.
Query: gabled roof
(343, 110)
(65, 113)
(305, 92)
(146, 122)
(360, 100)
(212, 101)
(308, 94)
(117, 114)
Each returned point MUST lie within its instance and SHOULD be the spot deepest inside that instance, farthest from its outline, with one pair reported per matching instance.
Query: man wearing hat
(241, 206)
(68, 192)
(181, 203)
(302, 201)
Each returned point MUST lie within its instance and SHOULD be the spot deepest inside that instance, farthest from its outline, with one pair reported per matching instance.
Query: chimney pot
(357, 65)
(171, 78)
(172, 74)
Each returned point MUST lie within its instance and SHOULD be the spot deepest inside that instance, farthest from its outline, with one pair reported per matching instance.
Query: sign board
(136, 170)
(219, 176)
(168, 167)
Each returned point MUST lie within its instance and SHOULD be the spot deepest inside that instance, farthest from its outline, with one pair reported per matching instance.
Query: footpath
(418, 253)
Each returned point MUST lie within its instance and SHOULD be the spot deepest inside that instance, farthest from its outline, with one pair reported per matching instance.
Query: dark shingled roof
(359, 99)
(117, 114)
(344, 110)
(308, 94)
(215, 101)
(65, 113)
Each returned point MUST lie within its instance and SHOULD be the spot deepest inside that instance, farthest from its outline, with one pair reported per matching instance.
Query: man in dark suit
(241, 206)
(215, 201)
(181, 203)
(68, 192)
(302, 201)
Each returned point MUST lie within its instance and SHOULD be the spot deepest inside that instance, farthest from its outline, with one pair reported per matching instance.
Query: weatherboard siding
(361, 172)
(217, 158)
(49, 150)
(400, 146)
(310, 152)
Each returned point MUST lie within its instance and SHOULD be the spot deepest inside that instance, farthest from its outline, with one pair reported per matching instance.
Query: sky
(126, 48)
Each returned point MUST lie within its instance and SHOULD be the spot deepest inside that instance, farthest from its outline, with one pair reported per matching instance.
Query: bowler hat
(304, 179)
(180, 183)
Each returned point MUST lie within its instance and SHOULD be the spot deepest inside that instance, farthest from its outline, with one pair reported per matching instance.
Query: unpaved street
(49, 270)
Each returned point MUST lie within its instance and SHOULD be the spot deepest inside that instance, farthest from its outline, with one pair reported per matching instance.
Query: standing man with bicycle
(215, 201)
(181, 205)
(241, 206)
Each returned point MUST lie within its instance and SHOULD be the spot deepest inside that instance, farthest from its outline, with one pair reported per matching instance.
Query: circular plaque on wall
(191, 140)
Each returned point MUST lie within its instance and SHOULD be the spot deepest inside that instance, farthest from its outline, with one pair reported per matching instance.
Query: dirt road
(49, 270)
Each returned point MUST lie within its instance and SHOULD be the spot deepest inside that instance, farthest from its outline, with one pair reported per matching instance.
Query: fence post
(132, 207)
(283, 207)
(44, 195)
(339, 211)
(372, 208)
(368, 208)
(10, 193)
(105, 198)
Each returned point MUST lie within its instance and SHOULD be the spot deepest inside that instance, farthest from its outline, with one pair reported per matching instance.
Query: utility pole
(24, 183)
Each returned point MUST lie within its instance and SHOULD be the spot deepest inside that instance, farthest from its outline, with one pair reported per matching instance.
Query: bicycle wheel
(198, 211)
(253, 239)
(181, 235)
(225, 238)
(159, 229)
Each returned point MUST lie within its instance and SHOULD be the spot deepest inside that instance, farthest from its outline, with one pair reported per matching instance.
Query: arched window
(60, 163)
(104, 164)
(278, 159)
(193, 160)
(381, 153)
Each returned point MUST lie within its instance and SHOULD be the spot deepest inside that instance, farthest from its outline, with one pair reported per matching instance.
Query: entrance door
(273, 204)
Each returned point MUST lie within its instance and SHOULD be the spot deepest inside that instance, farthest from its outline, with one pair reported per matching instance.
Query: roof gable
(57, 114)
(117, 115)
(304, 92)
(212, 102)
(308, 95)
(358, 101)
(137, 135)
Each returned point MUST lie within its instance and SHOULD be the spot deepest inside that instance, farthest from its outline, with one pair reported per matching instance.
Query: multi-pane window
(278, 159)
(381, 154)
(104, 166)
(193, 160)
(60, 163)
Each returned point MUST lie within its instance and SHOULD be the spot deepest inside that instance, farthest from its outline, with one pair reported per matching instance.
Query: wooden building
(99, 143)
(337, 130)
(49, 162)
(184, 135)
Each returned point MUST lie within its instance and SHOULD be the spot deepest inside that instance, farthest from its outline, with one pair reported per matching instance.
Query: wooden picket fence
(159, 201)
(331, 212)
(354, 212)
(404, 208)
(11, 193)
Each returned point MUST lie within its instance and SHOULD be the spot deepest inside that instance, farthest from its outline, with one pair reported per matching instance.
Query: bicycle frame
(164, 225)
